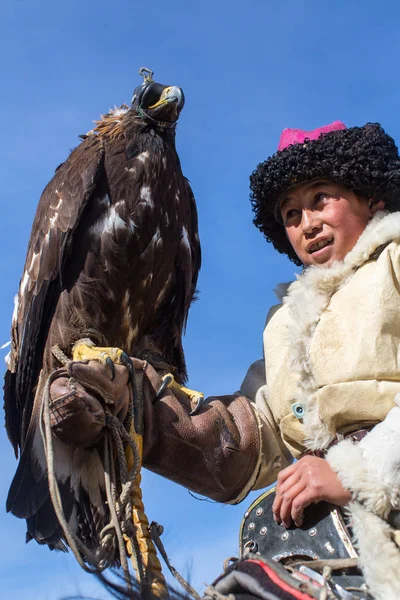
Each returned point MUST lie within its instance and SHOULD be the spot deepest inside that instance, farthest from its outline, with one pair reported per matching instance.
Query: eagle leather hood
(150, 95)
(364, 159)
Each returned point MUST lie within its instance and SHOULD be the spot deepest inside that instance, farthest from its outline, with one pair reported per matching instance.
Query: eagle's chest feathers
(134, 235)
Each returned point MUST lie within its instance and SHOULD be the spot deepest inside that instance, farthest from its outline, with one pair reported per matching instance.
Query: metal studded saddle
(323, 541)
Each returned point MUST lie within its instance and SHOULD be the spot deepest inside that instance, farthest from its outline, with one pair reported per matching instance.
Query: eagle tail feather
(29, 487)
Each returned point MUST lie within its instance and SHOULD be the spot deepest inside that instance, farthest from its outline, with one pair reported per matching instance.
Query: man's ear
(376, 206)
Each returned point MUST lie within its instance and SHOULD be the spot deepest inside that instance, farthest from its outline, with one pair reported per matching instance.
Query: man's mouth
(319, 245)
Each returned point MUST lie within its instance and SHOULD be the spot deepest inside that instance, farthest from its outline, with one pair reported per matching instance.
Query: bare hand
(306, 482)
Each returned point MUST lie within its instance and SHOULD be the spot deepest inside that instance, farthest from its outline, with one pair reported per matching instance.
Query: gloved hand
(77, 402)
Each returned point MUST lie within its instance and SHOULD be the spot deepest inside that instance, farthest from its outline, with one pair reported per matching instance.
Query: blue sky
(248, 70)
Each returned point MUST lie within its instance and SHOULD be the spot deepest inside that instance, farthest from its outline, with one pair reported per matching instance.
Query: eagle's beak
(170, 94)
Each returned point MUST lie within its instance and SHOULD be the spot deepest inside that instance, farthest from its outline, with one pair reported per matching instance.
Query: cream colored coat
(333, 347)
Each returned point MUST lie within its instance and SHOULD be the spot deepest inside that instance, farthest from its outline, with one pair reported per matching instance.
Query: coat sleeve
(274, 454)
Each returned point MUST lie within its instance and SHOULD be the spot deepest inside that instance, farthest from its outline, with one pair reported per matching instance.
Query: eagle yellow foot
(84, 350)
(197, 398)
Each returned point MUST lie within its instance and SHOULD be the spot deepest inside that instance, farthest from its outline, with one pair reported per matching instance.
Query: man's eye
(320, 196)
(291, 213)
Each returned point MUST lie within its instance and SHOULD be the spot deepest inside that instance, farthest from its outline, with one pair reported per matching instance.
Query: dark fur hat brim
(364, 159)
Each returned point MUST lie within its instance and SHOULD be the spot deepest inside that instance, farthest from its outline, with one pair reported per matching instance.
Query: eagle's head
(157, 102)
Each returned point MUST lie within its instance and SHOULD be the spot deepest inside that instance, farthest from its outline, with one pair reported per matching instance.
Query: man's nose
(310, 221)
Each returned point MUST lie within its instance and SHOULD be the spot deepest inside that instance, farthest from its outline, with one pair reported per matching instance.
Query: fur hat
(364, 159)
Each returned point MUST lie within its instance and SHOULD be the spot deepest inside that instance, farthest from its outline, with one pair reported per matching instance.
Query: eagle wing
(60, 208)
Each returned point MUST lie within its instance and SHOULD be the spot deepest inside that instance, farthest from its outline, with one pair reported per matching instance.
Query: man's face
(323, 220)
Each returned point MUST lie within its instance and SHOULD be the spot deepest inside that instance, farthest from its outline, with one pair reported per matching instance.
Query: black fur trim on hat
(364, 159)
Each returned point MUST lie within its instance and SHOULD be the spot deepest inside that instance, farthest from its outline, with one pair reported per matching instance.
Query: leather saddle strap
(336, 564)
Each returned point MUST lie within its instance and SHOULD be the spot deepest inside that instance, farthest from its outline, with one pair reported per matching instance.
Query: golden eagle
(113, 257)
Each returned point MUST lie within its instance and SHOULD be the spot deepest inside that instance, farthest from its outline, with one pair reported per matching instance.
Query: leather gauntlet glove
(214, 452)
(77, 402)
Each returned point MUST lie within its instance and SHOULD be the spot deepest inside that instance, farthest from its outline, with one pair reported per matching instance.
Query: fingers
(281, 487)
(95, 377)
(298, 486)
(289, 498)
(299, 504)
(286, 480)
(286, 473)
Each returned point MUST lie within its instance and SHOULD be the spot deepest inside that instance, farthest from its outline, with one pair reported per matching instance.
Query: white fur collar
(308, 297)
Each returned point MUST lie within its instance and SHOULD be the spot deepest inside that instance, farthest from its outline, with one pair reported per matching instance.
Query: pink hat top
(297, 136)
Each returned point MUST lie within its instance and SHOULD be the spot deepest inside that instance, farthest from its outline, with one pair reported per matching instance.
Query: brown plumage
(113, 256)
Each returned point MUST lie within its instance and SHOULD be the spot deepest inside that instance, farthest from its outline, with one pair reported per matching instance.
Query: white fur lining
(381, 451)
(379, 555)
(370, 469)
(308, 297)
(347, 460)
(373, 486)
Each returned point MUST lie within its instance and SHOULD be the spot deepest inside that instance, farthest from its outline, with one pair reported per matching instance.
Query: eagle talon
(168, 381)
(85, 350)
(125, 360)
(198, 407)
(110, 365)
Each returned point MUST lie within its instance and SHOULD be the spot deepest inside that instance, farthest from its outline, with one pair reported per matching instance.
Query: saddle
(320, 552)
(316, 560)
